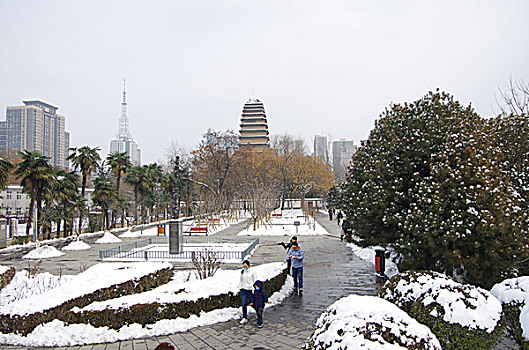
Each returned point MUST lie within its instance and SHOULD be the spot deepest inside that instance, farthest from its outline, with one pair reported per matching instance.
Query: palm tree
(137, 177)
(66, 189)
(34, 173)
(119, 164)
(104, 195)
(86, 160)
(5, 167)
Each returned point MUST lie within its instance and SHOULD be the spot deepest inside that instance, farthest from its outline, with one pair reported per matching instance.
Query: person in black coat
(287, 246)
(259, 300)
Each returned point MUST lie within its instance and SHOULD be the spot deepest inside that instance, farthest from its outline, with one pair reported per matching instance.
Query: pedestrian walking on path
(287, 246)
(248, 279)
(296, 254)
(259, 300)
(339, 217)
(330, 214)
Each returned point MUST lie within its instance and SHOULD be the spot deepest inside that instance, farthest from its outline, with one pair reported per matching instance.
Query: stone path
(331, 271)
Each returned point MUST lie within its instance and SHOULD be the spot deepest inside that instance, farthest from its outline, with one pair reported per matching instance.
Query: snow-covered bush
(6, 275)
(514, 295)
(367, 322)
(460, 315)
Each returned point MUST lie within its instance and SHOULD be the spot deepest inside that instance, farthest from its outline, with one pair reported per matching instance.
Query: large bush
(366, 322)
(514, 296)
(430, 181)
(461, 316)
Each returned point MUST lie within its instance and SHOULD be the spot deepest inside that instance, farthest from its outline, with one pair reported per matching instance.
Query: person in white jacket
(248, 278)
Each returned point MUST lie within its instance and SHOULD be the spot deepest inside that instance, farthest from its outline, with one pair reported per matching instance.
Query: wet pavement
(331, 271)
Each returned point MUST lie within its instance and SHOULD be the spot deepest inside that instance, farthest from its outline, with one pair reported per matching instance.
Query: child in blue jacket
(259, 301)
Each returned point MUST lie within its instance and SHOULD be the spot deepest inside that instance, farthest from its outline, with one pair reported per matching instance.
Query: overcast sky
(321, 67)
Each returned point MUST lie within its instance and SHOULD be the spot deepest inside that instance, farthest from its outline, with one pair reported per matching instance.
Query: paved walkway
(331, 271)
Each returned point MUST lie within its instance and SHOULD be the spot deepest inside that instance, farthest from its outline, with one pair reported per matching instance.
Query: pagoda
(254, 128)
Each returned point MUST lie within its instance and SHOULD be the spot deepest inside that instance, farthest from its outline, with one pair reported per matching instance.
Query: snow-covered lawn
(43, 252)
(57, 333)
(366, 322)
(96, 277)
(284, 226)
(368, 254)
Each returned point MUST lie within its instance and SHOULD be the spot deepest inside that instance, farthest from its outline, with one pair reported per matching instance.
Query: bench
(278, 215)
(198, 229)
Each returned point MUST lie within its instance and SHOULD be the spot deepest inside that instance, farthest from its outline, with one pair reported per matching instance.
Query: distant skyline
(320, 67)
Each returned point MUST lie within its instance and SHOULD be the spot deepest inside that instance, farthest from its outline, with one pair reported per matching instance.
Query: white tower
(124, 141)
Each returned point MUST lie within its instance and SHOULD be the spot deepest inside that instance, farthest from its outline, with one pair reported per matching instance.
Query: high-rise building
(254, 127)
(124, 141)
(3, 135)
(37, 127)
(342, 152)
(321, 150)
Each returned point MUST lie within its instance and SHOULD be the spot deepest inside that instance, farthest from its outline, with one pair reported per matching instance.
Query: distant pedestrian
(164, 346)
(339, 217)
(247, 281)
(287, 246)
(296, 254)
(330, 214)
(259, 300)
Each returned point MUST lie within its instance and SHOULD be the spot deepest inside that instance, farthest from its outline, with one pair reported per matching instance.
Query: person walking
(259, 300)
(248, 278)
(339, 217)
(330, 214)
(287, 246)
(296, 254)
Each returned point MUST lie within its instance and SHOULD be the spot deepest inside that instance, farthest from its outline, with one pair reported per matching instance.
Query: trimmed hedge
(150, 313)
(25, 324)
(450, 335)
(6, 277)
(512, 323)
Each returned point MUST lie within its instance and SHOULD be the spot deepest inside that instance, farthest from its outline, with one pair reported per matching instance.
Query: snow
(108, 238)
(223, 281)
(284, 226)
(3, 269)
(57, 333)
(23, 285)
(354, 316)
(368, 254)
(99, 276)
(43, 252)
(77, 245)
(515, 290)
(462, 304)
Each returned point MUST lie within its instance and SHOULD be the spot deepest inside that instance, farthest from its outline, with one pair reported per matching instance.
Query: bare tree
(514, 99)
(206, 263)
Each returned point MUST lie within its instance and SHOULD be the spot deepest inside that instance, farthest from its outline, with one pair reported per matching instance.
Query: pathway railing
(134, 250)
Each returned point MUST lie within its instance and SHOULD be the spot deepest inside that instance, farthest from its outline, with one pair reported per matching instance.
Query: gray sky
(321, 67)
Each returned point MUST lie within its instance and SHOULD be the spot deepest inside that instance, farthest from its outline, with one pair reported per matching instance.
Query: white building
(124, 141)
(342, 152)
(321, 150)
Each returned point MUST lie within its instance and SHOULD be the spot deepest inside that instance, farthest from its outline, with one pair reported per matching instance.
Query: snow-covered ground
(357, 322)
(23, 285)
(57, 333)
(77, 245)
(515, 290)
(108, 238)
(3, 269)
(99, 276)
(43, 252)
(284, 225)
(368, 254)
